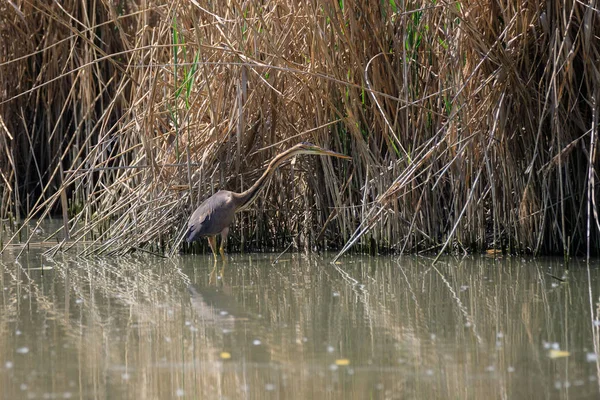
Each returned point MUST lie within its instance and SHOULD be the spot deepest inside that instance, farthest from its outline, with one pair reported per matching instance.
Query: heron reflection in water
(216, 213)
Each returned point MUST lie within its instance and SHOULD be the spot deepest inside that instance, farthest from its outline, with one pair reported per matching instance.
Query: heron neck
(246, 198)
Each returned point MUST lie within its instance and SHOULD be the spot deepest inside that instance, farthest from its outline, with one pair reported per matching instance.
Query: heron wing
(214, 214)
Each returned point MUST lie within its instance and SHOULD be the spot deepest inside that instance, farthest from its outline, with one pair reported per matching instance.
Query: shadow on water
(382, 327)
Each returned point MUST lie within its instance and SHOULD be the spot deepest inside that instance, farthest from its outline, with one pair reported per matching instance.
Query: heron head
(309, 148)
(191, 233)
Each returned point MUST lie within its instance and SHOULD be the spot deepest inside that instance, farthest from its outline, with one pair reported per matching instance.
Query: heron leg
(212, 241)
(224, 233)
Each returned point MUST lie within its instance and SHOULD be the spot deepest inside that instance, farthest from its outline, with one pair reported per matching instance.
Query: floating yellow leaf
(225, 355)
(559, 353)
(342, 362)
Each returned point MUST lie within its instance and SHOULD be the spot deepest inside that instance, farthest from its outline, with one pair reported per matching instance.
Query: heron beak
(324, 152)
(190, 237)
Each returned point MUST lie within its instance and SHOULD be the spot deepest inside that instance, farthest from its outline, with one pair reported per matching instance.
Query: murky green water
(368, 328)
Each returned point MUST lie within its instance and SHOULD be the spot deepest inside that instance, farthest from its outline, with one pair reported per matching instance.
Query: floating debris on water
(562, 385)
(558, 353)
(551, 345)
(269, 387)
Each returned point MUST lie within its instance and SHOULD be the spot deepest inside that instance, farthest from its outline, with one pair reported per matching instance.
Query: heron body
(216, 213)
(212, 218)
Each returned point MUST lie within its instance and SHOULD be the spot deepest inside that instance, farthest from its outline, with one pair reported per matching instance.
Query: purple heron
(216, 213)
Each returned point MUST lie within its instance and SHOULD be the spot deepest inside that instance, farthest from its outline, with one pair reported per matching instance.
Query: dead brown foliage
(472, 125)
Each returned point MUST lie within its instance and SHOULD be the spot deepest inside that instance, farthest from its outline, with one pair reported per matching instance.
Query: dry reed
(472, 126)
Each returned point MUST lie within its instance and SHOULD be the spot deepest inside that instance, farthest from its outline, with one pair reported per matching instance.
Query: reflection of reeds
(406, 329)
(120, 322)
(471, 126)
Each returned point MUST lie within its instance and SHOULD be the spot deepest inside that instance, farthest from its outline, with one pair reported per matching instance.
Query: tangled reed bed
(471, 126)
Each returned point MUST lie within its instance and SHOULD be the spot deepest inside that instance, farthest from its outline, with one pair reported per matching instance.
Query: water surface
(368, 328)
